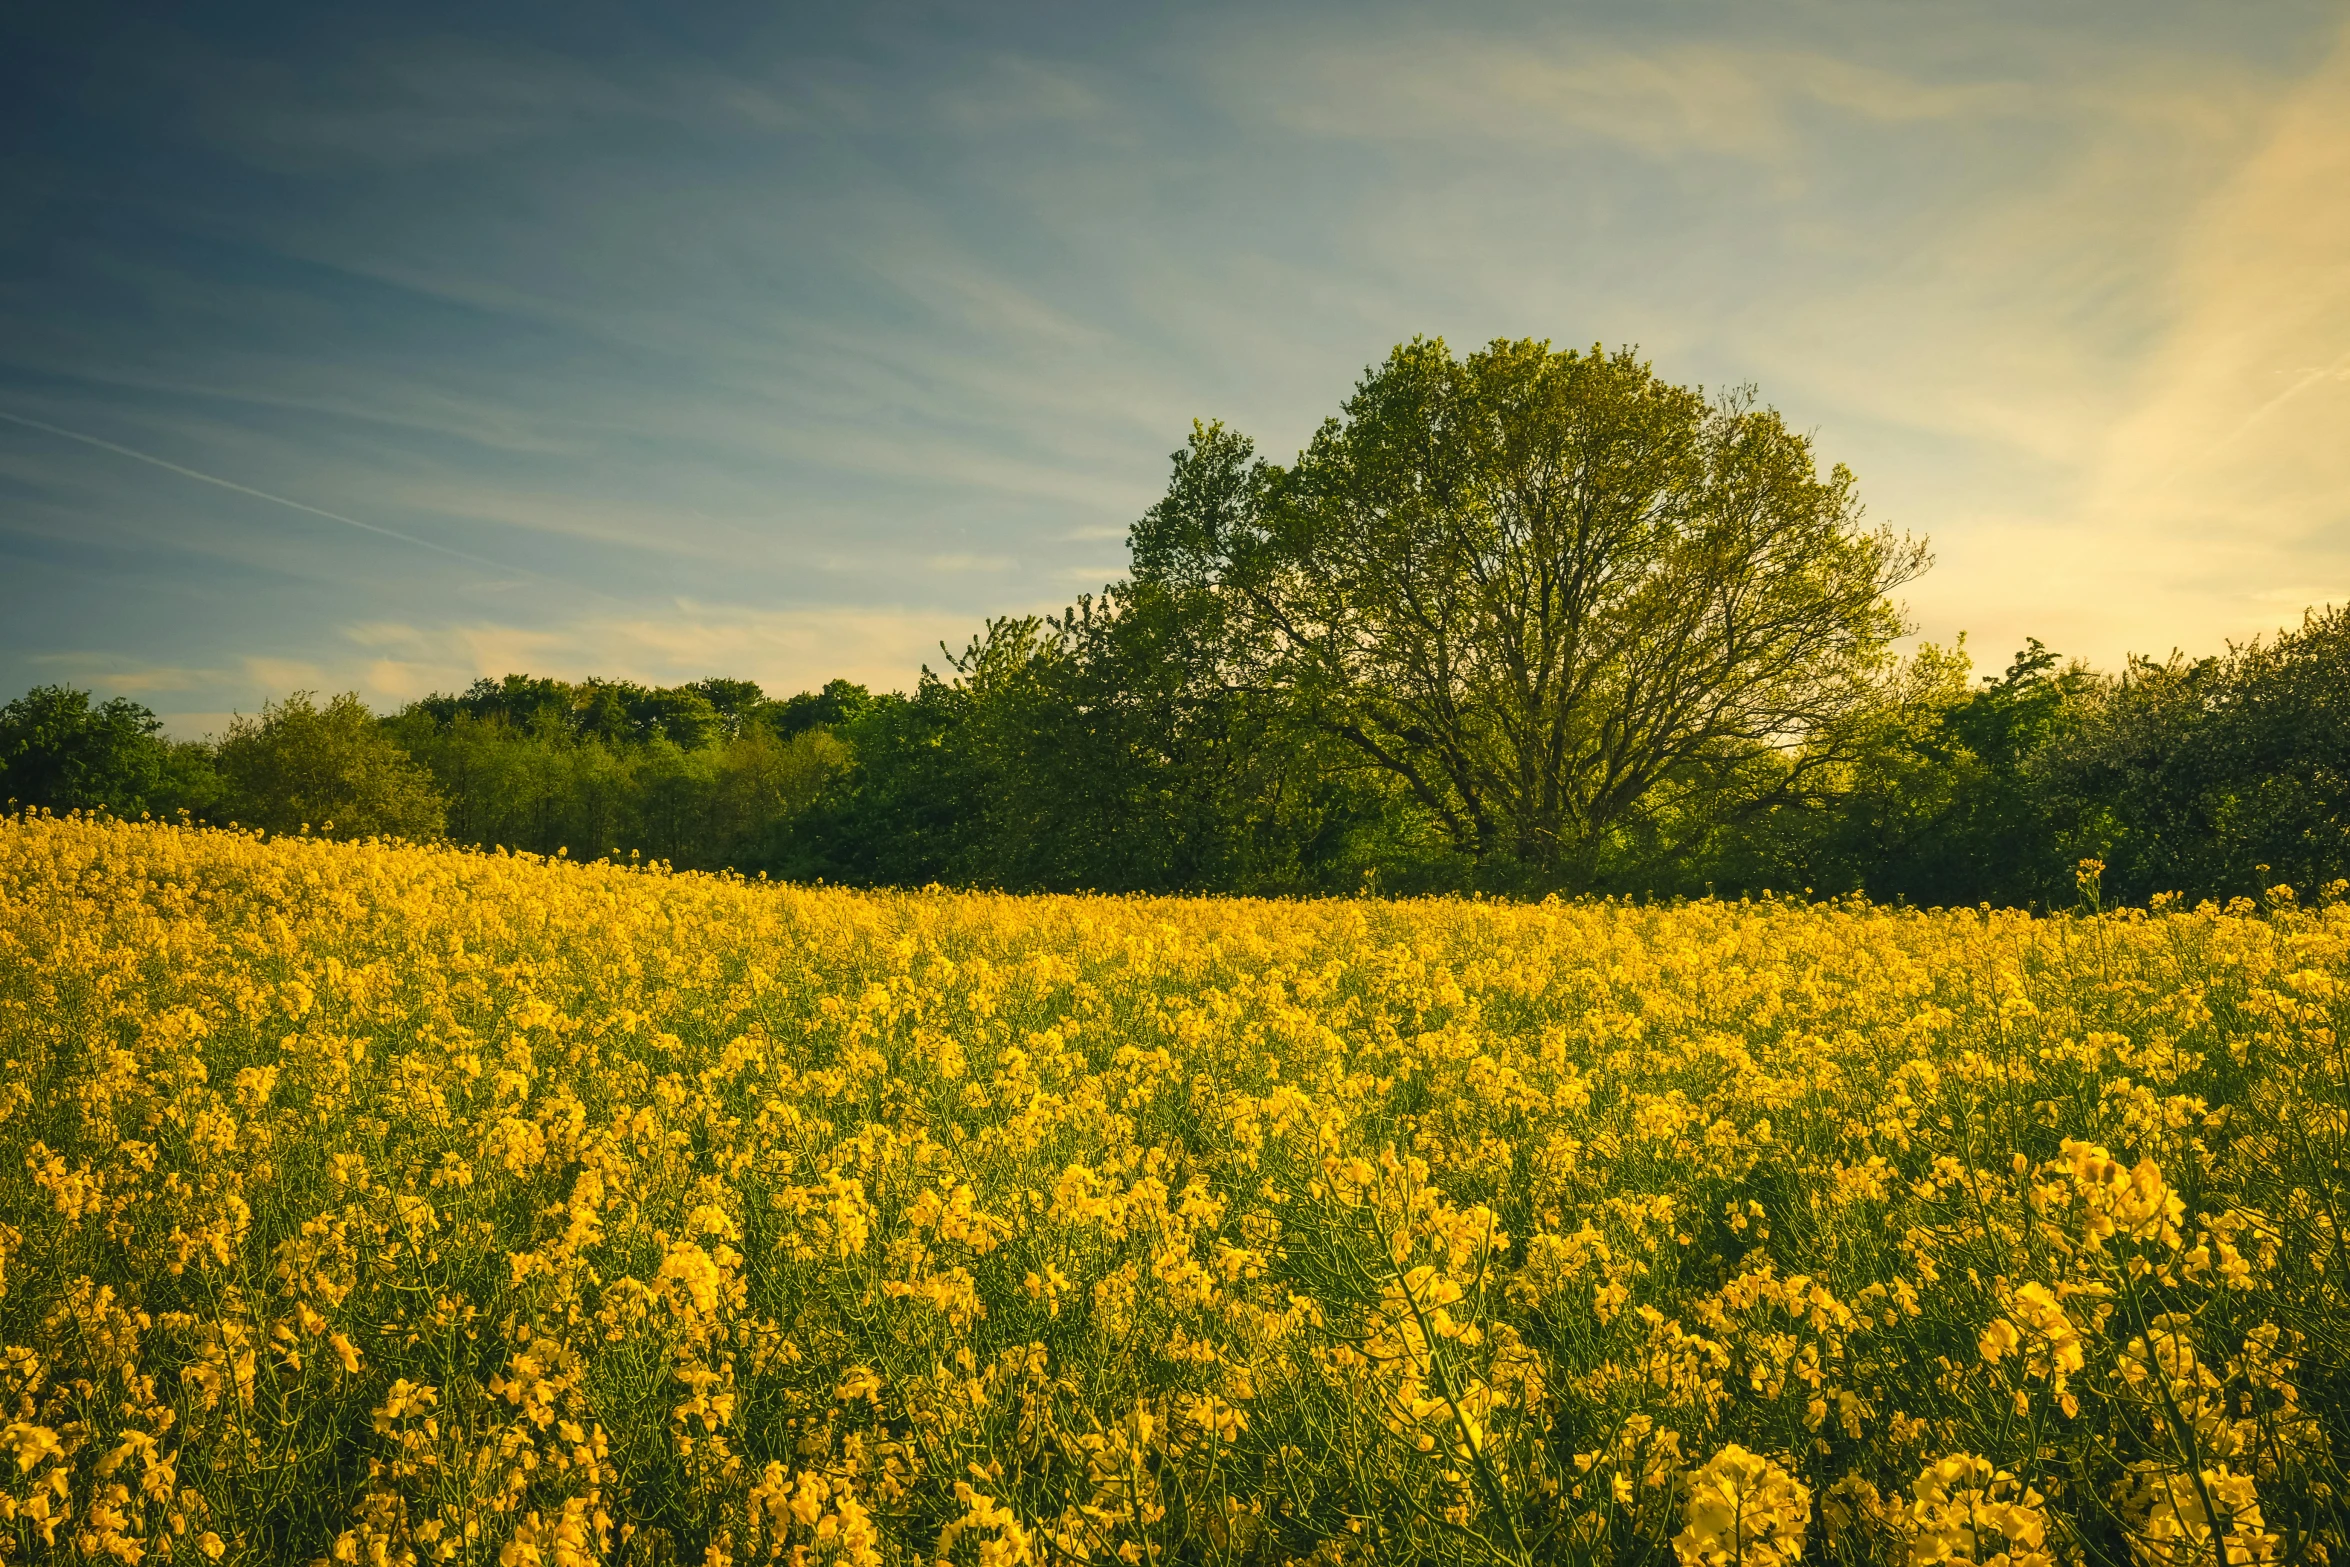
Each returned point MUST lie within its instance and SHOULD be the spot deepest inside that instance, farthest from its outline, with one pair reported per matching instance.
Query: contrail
(247, 489)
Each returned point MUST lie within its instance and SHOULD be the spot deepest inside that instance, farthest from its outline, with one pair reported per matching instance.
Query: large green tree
(1542, 589)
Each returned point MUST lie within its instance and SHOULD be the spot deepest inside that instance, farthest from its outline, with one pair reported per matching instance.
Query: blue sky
(786, 341)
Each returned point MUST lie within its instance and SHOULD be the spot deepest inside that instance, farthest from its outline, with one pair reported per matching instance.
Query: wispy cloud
(1010, 90)
(2242, 419)
(110, 675)
(434, 101)
(1665, 99)
(2225, 487)
(282, 675)
(241, 489)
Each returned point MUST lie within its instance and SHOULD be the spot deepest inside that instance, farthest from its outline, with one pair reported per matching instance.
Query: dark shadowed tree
(2214, 777)
(1936, 801)
(2276, 759)
(1117, 759)
(1538, 588)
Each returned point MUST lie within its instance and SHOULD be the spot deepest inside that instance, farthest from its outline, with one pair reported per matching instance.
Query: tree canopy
(332, 769)
(1543, 589)
(69, 753)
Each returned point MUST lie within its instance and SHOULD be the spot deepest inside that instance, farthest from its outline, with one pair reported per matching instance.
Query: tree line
(1516, 621)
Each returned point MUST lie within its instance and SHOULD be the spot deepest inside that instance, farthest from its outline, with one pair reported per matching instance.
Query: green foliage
(910, 813)
(2216, 777)
(840, 702)
(59, 750)
(2220, 776)
(331, 769)
(1099, 749)
(1934, 801)
(615, 711)
(1547, 592)
(1104, 749)
(1990, 836)
(63, 752)
(698, 775)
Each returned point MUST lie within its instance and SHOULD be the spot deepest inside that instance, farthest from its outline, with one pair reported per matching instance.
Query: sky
(383, 348)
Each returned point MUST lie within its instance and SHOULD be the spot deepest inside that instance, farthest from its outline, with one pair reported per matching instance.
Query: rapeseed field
(371, 1203)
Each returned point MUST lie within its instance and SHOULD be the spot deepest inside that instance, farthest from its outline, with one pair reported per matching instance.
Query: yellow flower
(1964, 1510)
(2174, 1515)
(1743, 1511)
(30, 1443)
(1166, 1229)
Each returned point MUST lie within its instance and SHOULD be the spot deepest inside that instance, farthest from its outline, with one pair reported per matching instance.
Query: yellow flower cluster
(1743, 1511)
(375, 1204)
